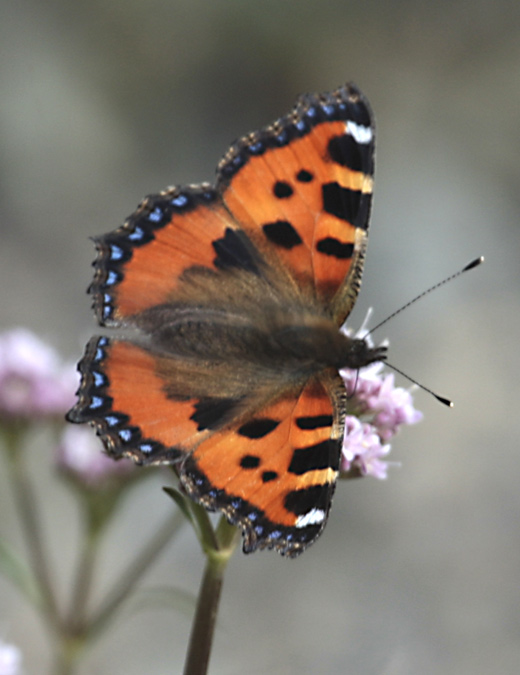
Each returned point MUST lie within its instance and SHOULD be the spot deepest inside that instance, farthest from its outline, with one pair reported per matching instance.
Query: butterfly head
(359, 353)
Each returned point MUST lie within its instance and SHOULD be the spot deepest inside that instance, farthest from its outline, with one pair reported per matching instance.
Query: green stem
(68, 656)
(129, 579)
(203, 627)
(205, 532)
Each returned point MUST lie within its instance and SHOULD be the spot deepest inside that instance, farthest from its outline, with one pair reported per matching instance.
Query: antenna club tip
(474, 263)
(444, 401)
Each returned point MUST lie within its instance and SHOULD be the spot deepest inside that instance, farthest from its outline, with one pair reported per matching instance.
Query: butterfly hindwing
(279, 474)
(122, 395)
(272, 471)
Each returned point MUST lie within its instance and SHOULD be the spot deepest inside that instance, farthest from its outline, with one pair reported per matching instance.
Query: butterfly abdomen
(272, 344)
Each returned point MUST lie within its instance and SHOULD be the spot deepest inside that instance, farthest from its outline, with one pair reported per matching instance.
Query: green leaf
(198, 518)
(183, 502)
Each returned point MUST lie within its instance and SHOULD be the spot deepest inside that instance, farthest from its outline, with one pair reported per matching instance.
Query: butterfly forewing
(303, 187)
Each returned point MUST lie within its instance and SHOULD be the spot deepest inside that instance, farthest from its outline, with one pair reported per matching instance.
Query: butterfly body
(236, 294)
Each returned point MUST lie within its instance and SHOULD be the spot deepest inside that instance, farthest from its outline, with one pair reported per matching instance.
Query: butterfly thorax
(318, 343)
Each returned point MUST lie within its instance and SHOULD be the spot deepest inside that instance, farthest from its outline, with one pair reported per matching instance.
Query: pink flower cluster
(37, 386)
(376, 411)
(34, 382)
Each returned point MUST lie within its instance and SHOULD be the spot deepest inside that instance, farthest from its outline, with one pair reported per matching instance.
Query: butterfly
(229, 299)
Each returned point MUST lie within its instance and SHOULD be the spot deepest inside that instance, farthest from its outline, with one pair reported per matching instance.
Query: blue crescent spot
(125, 435)
(156, 215)
(180, 201)
(116, 252)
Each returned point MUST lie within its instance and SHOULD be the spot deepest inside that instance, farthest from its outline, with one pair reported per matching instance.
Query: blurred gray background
(104, 102)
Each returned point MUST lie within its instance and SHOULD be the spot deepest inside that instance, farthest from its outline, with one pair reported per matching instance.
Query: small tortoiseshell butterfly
(231, 298)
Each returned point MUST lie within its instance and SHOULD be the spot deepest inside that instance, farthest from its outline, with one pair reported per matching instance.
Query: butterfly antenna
(469, 266)
(441, 399)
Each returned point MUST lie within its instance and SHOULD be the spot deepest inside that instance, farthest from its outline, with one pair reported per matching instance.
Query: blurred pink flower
(81, 457)
(10, 659)
(34, 382)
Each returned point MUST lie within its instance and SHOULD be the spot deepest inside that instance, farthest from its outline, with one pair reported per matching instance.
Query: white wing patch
(360, 133)
(312, 517)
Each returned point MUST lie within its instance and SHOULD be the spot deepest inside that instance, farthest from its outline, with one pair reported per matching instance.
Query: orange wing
(297, 193)
(139, 265)
(272, 471)
(305, 183)
(279, 473)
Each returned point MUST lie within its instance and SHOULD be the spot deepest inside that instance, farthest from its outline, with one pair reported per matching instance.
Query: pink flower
(34, 382)
(377, 397)
(377, 409)
(80, 457)
(10, 659)
(362, 449)
(393, 407)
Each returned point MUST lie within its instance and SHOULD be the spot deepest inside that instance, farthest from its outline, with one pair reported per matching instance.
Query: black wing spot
(335, 248)
(314, 458)
(213, 413)
(258, 428)
(282, 190)
(250, 462)
(304, 176)
(341, 202)
(346, 151)
(282, 233)
(301, 502)
(234, 251)
(314, 422)
(268, 476)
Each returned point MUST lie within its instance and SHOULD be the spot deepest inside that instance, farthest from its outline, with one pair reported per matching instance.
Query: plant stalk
(203, 627)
